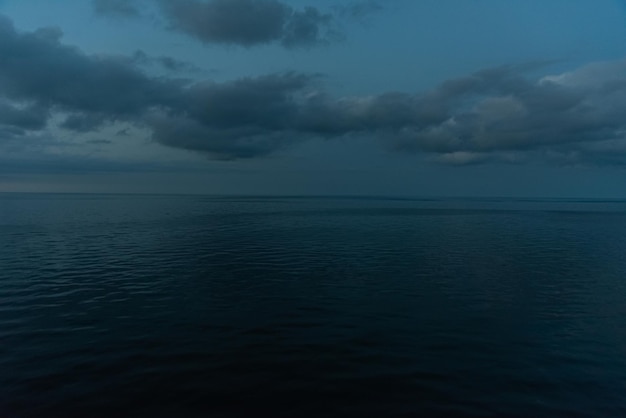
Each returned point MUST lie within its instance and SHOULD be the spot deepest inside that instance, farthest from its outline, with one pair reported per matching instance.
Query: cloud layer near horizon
(499, 113)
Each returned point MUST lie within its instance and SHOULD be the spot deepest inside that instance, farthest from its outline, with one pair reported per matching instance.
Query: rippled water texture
(117, 306)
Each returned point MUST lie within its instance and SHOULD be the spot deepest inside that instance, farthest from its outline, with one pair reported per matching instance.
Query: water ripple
(194, 306)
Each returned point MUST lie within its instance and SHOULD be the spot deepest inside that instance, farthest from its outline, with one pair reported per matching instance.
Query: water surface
(164, 306)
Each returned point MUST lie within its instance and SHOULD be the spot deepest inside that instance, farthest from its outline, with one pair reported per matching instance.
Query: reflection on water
(195, 306)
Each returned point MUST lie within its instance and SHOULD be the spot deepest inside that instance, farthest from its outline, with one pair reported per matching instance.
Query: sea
(264, 306)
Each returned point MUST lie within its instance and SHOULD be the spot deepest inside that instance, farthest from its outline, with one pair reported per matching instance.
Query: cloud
(115, 8)
(242, 119)
(501, 110)
(165, 62)
(9, 133)
(498, 114)
(84, 122)
(248, 22)
(37, 68)
(31, 117)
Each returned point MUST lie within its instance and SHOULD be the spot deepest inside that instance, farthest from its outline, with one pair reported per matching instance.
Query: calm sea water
(155, 306)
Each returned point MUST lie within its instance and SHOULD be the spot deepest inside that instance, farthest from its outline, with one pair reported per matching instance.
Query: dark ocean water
(161, 306)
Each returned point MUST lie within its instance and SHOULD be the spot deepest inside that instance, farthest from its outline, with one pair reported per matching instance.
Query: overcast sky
(371, 97)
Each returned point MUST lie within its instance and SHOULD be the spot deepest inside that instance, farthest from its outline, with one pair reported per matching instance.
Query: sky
(328, 97)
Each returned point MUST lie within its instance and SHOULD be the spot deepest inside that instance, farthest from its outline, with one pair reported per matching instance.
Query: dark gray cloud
(173, 64)
(116, 8)
(167, 63)
(500, 111)
(38, 68)
(496, 114)
(31, 117)
(84, 122)
(220, 143)
(241, 119)
(8, 133)
(100, 141)
(248, 22)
